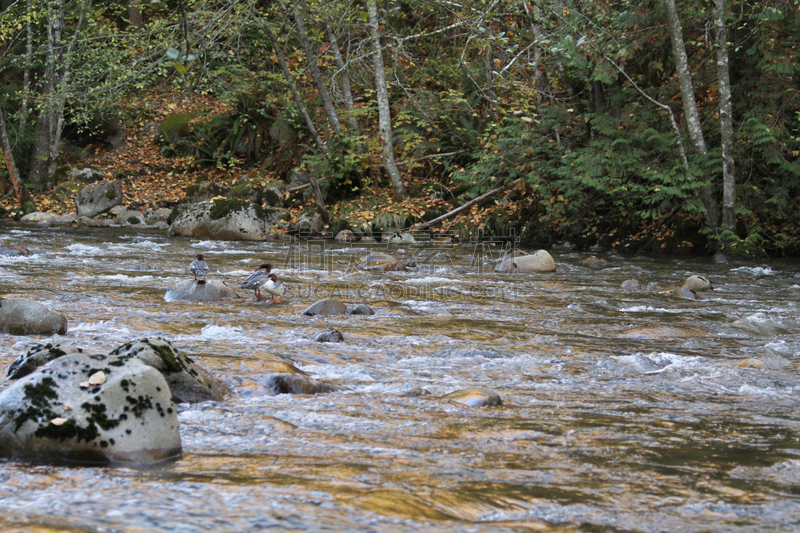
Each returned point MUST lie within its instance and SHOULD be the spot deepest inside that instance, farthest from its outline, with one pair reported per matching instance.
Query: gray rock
(309, 224)
(98, 198)
(326, 307)
(90, 408)
(273, 196)
(297, 384)
(86, 175)
(199, 291)
(37, 356)
(64, 219)
(26, 317)
(330, 335)
(298, 177)
(153, 216)
(131, 218)
(361, 309)
(475, 398)
(37, 218)
(630, 285)
(697, 283)
(415, 393)
(86, 222)
(344, 236)
(230, 220)
(539, 261)
(205, 192)
(117, 210)
(187, 381)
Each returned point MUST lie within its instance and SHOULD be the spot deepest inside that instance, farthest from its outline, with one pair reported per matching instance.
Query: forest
(660, 126)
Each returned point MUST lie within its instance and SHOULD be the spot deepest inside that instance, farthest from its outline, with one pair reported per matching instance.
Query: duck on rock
(199, 267)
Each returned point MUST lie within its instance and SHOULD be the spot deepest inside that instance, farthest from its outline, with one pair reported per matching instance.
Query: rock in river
(539, 261)
(200, 291)
(89, 408)
(26, 317)
(187, 381)
(328, 306)
(475, 398)
(697, 283)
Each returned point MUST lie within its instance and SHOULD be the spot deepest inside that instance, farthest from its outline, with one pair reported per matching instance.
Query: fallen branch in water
(466, 205)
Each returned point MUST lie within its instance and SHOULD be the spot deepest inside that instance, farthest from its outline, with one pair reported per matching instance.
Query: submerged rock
(539, 261)
(200, 291)
(330, 335)
(361, 309)
(326, 307)
(26, 317)
(475, 398)
(187, 381)
(89, 408)
(630, 285)
(297, 384)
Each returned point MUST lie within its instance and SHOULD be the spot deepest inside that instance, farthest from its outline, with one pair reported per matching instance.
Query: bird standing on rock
(199, 267)
(257, 279)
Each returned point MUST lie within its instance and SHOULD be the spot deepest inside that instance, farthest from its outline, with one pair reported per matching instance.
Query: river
(622, 410)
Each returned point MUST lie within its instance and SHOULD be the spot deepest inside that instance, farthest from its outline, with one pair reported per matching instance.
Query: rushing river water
(622, 410)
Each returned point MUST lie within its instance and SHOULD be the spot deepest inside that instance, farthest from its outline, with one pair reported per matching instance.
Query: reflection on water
(622, 410)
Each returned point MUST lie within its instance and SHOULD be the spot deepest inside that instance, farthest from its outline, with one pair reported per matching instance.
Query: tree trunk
(135, 14)
(347, 93)
(725, 119)
(26, 76)
(690, 108)
(384, 110)
(293, 88)
(23, 197)
(316, 75)
(466, 206)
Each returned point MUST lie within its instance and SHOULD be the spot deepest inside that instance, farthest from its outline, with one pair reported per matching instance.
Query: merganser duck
(198, 267)
(257, 279)
(274, 287)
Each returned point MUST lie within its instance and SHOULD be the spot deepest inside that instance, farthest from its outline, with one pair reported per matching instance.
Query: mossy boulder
(224, 219)
(37, 356)
(96, 199)
(187, 381)
(90, 408)
(202, 192)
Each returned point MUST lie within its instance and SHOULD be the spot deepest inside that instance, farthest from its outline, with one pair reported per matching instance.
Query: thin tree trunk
(293, 88)
(384, 110)
(690, 107)
(725, 119)
(26, 76)
(466, 206)
(316, 75)
(347, 93)
(23, 197)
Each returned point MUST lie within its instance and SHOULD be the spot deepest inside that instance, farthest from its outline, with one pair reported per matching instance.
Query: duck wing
(253, 280)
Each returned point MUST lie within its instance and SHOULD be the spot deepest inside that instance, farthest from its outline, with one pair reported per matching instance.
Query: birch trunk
(26, 76)
(316, 75)
(384, 110)
(347, 93)
(725, 119)
(690, 108)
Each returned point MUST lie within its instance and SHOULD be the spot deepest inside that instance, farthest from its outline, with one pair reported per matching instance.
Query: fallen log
(466, 205)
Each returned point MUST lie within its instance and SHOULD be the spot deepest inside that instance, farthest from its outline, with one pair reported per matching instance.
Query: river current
(622, 410)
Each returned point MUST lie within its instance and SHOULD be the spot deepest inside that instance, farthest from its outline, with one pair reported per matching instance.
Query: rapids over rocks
(622, 410)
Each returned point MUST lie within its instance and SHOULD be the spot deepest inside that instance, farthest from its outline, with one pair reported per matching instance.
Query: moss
(140, 405)
(224, 208)
(111, 193)
(171, 359)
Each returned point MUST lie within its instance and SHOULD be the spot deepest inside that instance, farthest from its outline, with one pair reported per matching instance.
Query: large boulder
(39, 355)
(26, 317)
(539, 261)
(326, 307)
(187, 381)
(209, 290)
(38, 218)
(98, 198)
(227, 220)
(89, 408)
